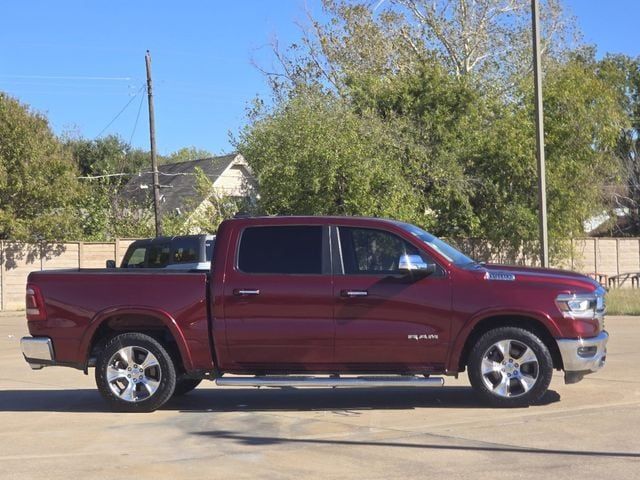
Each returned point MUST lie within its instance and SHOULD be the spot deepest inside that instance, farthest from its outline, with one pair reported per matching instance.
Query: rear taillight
(34, 304)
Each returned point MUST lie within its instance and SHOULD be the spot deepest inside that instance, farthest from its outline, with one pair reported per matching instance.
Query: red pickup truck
(318, 301)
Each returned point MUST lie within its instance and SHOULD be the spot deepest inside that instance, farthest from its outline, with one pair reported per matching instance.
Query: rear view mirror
(111, 264)
(415, 264)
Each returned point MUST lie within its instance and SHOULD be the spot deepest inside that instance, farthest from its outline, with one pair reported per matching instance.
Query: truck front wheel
(510, 367)
(135, 373)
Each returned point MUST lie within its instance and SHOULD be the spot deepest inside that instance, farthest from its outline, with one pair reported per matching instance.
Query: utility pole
(542, 183)
(152, 138)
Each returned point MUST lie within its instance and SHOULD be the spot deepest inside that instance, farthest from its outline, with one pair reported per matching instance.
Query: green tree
(623, 72)
(582, 122)
(108, 155)
(185, 154)
(106, 164)
(314, 155)
(446, 135)
(38, 184)
(488, 41)
(426, 111)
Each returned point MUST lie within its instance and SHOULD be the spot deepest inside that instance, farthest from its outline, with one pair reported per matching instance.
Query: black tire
(185, 385)
(162, 373)
(524, 387)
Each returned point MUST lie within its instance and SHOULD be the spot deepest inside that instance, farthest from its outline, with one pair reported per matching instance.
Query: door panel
(289, 323)
(278, 302)
(387, 320)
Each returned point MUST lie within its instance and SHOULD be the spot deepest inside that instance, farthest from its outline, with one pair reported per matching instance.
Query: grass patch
(623, 301)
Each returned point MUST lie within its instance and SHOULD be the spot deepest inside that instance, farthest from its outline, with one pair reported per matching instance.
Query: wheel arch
(531, 323)
(156, 323)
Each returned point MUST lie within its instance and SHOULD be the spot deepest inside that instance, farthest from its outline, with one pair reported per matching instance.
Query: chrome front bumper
(582, 356)
(37, 351)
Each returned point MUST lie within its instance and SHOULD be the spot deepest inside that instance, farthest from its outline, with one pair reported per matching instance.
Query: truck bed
(77, 301)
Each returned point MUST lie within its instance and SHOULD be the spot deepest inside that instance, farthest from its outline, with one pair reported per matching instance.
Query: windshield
(443, 248)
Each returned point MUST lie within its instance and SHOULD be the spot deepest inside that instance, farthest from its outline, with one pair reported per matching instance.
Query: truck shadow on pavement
(256, 400)
(472, 445)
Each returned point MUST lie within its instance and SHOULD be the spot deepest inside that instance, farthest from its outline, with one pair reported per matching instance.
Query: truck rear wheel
(185, 385)
(135, 373)
(510, 367)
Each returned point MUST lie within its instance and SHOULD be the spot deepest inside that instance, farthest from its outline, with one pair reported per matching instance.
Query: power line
(107, 175)
(120, 112)
(67, 77)
(139, 174)
(135, 125)
(380, 2)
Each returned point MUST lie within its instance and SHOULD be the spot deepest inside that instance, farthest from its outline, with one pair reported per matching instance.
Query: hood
(562, 278)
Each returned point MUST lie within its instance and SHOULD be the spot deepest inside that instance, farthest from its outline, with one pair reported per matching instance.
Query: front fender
(541, 317)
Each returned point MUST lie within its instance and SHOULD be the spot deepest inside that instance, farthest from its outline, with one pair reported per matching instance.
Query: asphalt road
(54, 425)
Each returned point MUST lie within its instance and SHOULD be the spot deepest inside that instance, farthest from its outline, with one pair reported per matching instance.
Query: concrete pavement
(56, 426)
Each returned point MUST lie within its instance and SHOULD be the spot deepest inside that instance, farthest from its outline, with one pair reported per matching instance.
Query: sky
(82, 62)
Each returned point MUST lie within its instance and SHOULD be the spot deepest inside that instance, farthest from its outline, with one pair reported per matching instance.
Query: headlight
(580, 305)
(600, 306)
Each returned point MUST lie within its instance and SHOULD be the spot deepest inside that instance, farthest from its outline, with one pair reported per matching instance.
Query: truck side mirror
(111, 264)
(414, 264)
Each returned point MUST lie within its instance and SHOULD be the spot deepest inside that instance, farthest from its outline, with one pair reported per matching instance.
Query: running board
(300, 381)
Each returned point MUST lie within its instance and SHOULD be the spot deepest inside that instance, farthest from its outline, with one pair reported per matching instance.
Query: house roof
(177, 182)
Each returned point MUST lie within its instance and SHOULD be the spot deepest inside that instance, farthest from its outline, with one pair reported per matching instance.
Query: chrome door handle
(354, 293)
(244, 291)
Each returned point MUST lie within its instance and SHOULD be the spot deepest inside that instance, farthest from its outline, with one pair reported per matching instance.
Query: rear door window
(185, 250)
(159, 255)
(281, 250)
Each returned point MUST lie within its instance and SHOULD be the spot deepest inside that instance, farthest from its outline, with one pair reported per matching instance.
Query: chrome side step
(302, 381)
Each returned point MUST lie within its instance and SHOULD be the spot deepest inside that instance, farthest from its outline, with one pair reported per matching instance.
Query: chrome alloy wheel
(133, 374)
(509, 368)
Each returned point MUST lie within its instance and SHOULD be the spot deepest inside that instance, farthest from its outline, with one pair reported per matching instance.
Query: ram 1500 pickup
(318, 301)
